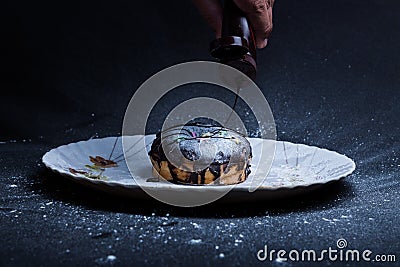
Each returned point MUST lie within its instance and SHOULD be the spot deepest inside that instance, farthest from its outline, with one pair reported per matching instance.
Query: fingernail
(262, 43)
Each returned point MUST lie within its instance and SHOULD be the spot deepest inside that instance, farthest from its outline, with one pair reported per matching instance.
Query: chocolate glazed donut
(230, 163)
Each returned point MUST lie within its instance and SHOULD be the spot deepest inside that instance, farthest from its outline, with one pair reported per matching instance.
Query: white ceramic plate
(296, 168)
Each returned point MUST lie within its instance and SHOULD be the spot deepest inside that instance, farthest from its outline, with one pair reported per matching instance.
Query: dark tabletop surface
(331, 74)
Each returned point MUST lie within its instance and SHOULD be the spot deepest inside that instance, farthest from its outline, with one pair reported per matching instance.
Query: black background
(331, 74)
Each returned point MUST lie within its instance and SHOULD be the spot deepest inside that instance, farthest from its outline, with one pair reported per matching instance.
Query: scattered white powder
(195, 241)
(111, 258)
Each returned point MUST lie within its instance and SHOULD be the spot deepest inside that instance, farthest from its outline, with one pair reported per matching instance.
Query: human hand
(258, 12)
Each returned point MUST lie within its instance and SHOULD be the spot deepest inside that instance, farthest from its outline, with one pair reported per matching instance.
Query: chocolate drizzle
(229, 146)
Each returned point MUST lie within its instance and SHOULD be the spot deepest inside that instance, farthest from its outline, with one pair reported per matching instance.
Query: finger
(259, 14)
(211, 10)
